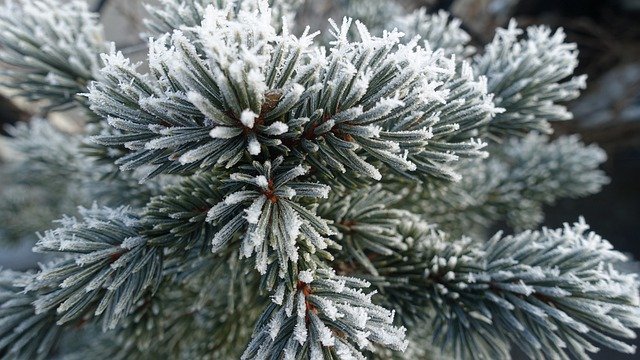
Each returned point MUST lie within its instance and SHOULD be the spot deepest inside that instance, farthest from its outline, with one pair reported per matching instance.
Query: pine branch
(513, 184)
(172, 15)
(365, 222)
(51, 49)
(216, 307)
(42, 148)
(49, 172)
(326, 317)
(177, 219)
(262, 203)
(297, 160)
(110, 269)
(360, 111)
(35, 177)
(552, 293)
(335, 111)
(188, 116)
(24, 334)
(376, 14)
(439, 31)
(529, 77)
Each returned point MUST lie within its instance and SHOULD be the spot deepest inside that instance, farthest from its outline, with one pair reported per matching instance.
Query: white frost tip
(299, 171)
(376, 175)
(252, 217)
(277, 128)
(248, 118)
(224, 132)
(278, 297)
(255, 210)
(306, 276)
(325, 192)
(133, 242)
(254, 147)
(326, 336)
(262, 182)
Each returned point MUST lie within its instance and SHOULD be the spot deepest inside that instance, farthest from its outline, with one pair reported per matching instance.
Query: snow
(300, 331)
(262, 182)
(253, 146)
(133, 242)
(292, 229)
(306, 276)
(275, 324)
(278, 296)
(224, 132)
(277, 128)
(326, 336)
(239, 196)
(340, 33)
(255, 210)
(358, 315)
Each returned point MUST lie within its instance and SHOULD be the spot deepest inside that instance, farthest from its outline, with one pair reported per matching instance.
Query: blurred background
(608, 113)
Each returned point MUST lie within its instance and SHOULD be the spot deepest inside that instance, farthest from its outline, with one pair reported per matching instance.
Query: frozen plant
(247, 193)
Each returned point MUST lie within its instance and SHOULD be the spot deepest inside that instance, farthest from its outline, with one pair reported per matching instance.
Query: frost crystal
(306, 276)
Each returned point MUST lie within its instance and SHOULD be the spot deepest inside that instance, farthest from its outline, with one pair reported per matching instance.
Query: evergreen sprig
(172, 15)
(52, 171)
(176, 219)
(52, 49)
(438, 31)
(24, 334)
(552, 293)
(219, 318)
(513, 184)
(330, 110)
(529, 76)
(327, 316)
(110, 268)
(262, 204)
(191, 113)
(273, 194)
(365, 222)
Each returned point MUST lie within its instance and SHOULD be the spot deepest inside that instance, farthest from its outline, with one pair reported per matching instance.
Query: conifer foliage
(250, 193)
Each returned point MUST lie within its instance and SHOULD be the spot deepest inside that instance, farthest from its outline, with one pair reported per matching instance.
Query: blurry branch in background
(10, 114)
(100, 5)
